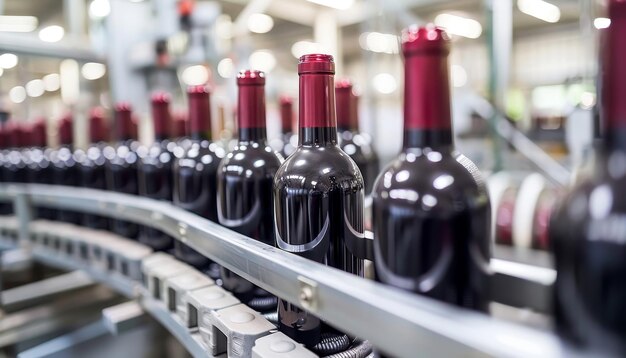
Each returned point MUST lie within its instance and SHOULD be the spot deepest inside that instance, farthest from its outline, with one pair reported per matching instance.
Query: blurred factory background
(534, 60)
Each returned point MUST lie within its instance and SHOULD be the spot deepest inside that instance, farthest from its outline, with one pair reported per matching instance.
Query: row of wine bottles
(430, 214)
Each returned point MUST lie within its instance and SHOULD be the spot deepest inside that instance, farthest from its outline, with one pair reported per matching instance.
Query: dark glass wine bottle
(91, 164)
(156, 179)
(350, 140)
(246, 175)
(15, 166)
(318, 193)
(588, 229)
(121, 166)
(65, 169)
(195, 171)
(431, 212)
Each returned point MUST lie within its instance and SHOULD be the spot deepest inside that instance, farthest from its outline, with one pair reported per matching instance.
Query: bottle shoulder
(431, 180)
(245, 159)
(319, 168)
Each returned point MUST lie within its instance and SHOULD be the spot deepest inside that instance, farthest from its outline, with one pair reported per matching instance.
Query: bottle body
(318, 201)
(65, 172)
(244, 183)
(121, 177)
(363, 154)
(156, 181)
(431, 227)
(195, 189)
(92, 174)
(587, 237)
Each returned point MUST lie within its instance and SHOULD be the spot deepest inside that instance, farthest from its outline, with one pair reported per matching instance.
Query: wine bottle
(65, 169)
(431, 212)
(156, 179)
(350, 140)
(318, 193)
(588, 229)
(195, 171)
(121, 166)
(91, 164)
(245, 177)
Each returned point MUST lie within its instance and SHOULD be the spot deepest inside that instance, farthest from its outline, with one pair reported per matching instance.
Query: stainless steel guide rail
(394, 321)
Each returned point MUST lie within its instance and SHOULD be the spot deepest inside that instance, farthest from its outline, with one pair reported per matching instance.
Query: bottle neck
(427, 118)
(613, 79)
(251, 113)
(317, 121)
(252, 135)
(286, 116)
(199, 116)
(346, 117)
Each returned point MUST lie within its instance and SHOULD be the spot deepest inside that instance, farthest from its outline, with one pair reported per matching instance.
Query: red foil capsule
(251, 105)
(199, 111)
(124, 121)
(38, 136)
(98, 126)
(286, 114)
(66, 135)
(317, 92)
(346, 115)
(161, 117)
(426, 82)
(613, 69)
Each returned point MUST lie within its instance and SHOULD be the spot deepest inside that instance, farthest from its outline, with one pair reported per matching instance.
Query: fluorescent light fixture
(335, 4)
(8, 60)
(93, 70)
(226, 68)
(17, 94)
(459, 25)
(52, 82)
(195, 75)
(52, 33)
(601, 22)
(18, 23)
(384, 83)
(379, 42)
(262, 60)
(304, 47)
(99, 9)
(260, 23)
(540, 9)
(35, 88)
(459, 76)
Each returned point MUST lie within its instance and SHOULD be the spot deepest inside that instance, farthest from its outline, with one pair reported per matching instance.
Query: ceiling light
(601, 22)
(226, 68)
(51, 82)
(379, 42)
(52, 33)
(262, 60)
(384, 83)
(260, 23)
(195, 75)
(304, 47)
(99, 9)
(35, 88)
(93, 70)
(459, 25)
(335, 4)
(18, 23)
(540, 9)
(459, 76)
(17, 94)
(8, 60)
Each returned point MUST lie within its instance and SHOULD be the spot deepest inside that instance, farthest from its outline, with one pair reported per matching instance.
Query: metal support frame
(396, 322)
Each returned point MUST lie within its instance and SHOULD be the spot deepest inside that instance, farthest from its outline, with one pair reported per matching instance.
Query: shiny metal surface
(436, 329)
